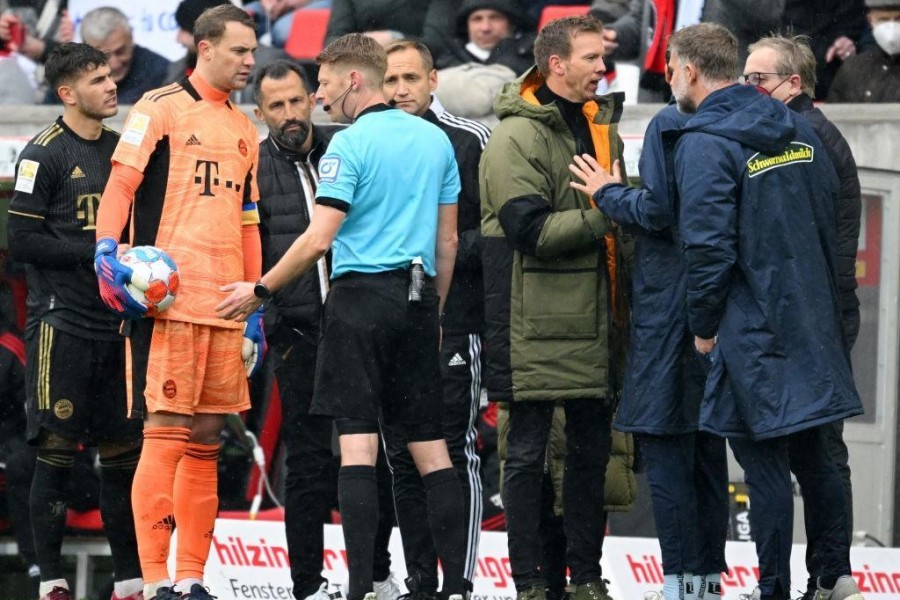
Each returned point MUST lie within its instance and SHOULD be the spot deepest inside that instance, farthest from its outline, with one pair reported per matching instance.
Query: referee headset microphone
(327, 107)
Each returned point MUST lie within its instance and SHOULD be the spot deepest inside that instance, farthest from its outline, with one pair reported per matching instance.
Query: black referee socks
(446, 515)
(358, 501)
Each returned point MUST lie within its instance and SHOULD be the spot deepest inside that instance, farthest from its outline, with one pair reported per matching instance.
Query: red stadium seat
(307, 37)
(554, 11)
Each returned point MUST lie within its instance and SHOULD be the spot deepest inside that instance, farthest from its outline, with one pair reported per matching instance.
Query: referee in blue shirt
(385, 204)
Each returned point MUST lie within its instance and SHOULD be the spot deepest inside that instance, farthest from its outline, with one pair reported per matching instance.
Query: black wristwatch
(261, 291)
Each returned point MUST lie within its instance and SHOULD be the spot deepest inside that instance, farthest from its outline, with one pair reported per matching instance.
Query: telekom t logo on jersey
(206, 174)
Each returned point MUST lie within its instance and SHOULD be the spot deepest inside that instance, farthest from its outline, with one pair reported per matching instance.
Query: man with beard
(757, 226)
(75, 367)
(686, 469)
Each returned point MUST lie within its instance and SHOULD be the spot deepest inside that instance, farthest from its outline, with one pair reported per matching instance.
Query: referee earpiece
(327, 107)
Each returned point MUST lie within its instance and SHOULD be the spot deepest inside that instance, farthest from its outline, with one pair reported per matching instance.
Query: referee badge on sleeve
(329, 167)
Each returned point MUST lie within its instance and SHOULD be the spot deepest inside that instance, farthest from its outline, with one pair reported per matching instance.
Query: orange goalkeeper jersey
(198, 153)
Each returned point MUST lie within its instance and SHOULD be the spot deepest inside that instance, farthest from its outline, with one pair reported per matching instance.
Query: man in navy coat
(757, 227)
(686, 469)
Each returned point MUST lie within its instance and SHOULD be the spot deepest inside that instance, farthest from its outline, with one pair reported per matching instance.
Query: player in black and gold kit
(75, 357)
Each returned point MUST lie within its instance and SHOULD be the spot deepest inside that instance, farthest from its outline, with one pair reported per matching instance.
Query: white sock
(709, 586)
(184, 585)
(47, 586)
(129, 587)
(690, 587)
(679, 586)
(150, 589)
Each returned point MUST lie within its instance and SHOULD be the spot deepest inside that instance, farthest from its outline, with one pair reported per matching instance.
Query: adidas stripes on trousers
(461, 377)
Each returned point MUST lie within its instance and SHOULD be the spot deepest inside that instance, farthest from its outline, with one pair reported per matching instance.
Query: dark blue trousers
(767, 468)
(688, 478)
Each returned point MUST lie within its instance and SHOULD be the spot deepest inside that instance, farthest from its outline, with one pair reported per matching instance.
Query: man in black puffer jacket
(794, 60)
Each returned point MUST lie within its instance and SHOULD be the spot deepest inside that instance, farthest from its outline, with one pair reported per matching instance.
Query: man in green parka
(553, 295)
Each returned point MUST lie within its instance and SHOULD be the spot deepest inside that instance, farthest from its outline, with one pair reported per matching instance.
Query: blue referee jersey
(390, 191)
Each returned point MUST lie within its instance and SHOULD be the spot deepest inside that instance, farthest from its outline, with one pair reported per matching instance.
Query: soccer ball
(154, 281)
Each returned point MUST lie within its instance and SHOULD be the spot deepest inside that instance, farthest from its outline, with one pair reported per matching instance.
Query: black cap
(511, 8)
(189, 11)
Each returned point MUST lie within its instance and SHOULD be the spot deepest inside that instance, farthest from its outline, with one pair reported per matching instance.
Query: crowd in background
(477, 44)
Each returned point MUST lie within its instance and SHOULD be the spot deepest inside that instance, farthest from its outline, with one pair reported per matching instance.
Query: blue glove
(254, 346)
(112, 277)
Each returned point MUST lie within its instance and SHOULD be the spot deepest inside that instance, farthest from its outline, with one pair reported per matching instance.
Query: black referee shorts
(379, 354)
(75, 387)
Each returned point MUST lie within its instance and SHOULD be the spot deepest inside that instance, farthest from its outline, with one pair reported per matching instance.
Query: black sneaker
(198, 592)
(166, 593)
(414, 585)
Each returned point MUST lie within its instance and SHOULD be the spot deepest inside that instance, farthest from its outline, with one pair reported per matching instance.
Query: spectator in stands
(44, 26)
(27, 34)
(18, 87)
(609, 10)
(643, 32)
(383, 20)
(135, 69)
(276, 17)
(487, 32)
(874, 74)
(833, 26)
(534, 8)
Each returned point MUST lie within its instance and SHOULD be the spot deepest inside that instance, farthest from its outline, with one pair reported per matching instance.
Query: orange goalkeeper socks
(152, 497)
(196, 506)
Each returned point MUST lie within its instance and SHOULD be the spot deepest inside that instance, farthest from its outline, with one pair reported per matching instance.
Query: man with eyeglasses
(785, 69)
(874, 74)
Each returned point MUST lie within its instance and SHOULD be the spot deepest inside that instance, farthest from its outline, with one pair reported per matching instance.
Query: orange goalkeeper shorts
(184, 368)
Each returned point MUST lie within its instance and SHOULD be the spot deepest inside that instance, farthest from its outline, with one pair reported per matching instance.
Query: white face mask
(887, 34)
